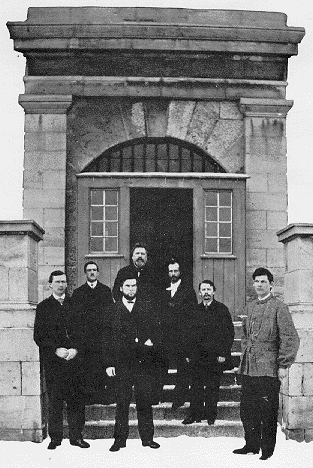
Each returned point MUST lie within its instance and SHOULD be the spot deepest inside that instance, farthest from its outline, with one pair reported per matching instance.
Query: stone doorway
(163, 219)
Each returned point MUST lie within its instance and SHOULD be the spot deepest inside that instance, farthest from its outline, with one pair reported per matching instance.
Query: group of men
(132, 335)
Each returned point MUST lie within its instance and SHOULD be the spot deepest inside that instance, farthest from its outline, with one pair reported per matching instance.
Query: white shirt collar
(128, 305)
(58, 297)
(173, 287)
(92, 284)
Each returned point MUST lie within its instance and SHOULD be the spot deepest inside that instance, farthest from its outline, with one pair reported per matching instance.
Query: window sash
(218, 222)
(104, 221)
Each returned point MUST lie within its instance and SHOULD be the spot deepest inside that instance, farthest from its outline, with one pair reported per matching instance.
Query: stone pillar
(297, 390)
(266, 164)
(45, 176)
(20, 386)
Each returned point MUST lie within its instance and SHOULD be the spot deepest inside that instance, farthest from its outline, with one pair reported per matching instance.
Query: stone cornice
(45, 104)
(292, 231)
(276, 108)
(22, 227)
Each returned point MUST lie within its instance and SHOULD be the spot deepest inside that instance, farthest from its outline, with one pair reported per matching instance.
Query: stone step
(166, 428)
(227, 392)
(226, 410)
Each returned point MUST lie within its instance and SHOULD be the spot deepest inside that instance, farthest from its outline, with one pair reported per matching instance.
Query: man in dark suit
(92, 301)
(140, 268)
(131, 354)
(178, 304)
(209, 354)
(57, 334)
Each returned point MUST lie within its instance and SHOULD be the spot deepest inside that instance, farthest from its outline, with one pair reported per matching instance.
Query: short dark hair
(126, 275)
(55, 273)
(90, 263)
(263, 272)
(208, 282)
(172, 261)
(139, 245)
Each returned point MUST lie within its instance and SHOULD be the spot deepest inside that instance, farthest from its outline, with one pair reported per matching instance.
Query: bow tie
(131, 302)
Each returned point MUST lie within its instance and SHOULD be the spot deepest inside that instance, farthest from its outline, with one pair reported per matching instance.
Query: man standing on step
(92, 301)
(269, 346)
(57, 333)
(131, 352)
(209, 354)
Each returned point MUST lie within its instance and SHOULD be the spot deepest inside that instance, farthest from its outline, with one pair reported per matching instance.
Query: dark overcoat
(56, 327)
(92, 311)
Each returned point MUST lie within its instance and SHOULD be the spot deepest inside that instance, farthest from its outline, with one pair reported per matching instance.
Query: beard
(129, 297)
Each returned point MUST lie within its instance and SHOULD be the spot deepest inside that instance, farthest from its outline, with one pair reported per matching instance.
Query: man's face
(92, 273)
(206, 292)
(129, 288)
(140, 257)
(58, 285)
(262, 286)
(174, 272)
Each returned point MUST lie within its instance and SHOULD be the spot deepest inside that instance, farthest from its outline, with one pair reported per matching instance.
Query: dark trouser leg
(196, 397)
(182, 381)
(124, 394)
(250, 412)
(144, 389)
(145, 421)
(75, 417)
(269, 403)
(55, 419)
(211, 395)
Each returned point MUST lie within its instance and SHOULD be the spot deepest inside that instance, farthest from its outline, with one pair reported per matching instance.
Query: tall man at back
(92, 301)
(269, 345)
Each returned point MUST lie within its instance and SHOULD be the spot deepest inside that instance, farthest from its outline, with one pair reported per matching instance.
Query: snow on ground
(178, 452)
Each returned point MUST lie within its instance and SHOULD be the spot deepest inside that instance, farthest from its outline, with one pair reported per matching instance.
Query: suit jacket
(147, 283)
(175, 314)
(56, 327)
(212, 336)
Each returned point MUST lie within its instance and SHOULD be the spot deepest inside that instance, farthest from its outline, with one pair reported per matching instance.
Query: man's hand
(71, 354)
(148, 342)
(110, 371)
(62, 353)
(282, 373)
(220, 359)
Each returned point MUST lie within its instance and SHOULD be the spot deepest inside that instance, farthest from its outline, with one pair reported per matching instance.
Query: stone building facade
(167, 125)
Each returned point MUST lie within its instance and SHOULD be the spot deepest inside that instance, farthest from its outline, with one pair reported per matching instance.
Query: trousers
(204, 395)
(258, 411)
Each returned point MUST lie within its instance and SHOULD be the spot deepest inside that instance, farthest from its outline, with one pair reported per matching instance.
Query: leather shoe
(53, 444)
(190, 420)
(151, 444)
(117, 446)
(211, 422)
(266, 455)
(80, 443)
(177, 404)
(245, 450)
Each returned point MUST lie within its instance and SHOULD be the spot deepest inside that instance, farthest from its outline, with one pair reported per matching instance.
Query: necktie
(61, 300)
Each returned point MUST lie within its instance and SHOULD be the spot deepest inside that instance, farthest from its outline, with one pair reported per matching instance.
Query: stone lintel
(45, 104)
(295, 230)
(20, 228)
(274, 108)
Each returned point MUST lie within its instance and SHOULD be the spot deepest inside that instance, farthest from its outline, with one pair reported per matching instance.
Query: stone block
(10, 378)
(32, 178)
(32, 286)
(14, 249)
(54, 255)
(18, 345)
(292, 386)
(275, 258)
(4, 283)
(308, 378)
(256, 257)
(266, 201)
(261, 239)
(266, 126)
(156, 118)
(53, 160)
(17, 317)
(256, 219)
(40, 199)
(54, 217)
(45, 123)
(31, 378)
(179, 117)
(54, 179)
(18, 284)
(20, 412)
(54, 237)
(264, 163)
(294, 434)
(299, 286)
(230, 110)
(136, 120)
(305, 352)
(299, 252)
(257, 183)
(298, 412)
(35, 214)
(32, 254)
(276, 219)
(273, 147)
(277, 183)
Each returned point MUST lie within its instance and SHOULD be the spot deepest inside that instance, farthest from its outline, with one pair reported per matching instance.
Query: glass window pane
(96, 244)
(225, 245)
(211, 199)
(97, 229)
(211, 230)
(111, 197)
(225, 214)
(111, 244)
(111, 213)
(111, 229)
(211, 245)
(225, 229)
(211, 214)
(225, 198)
(96, 213)
(97, 197)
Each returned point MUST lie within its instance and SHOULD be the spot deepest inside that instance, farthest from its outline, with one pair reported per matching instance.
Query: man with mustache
(209, 354)
(140, 268)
